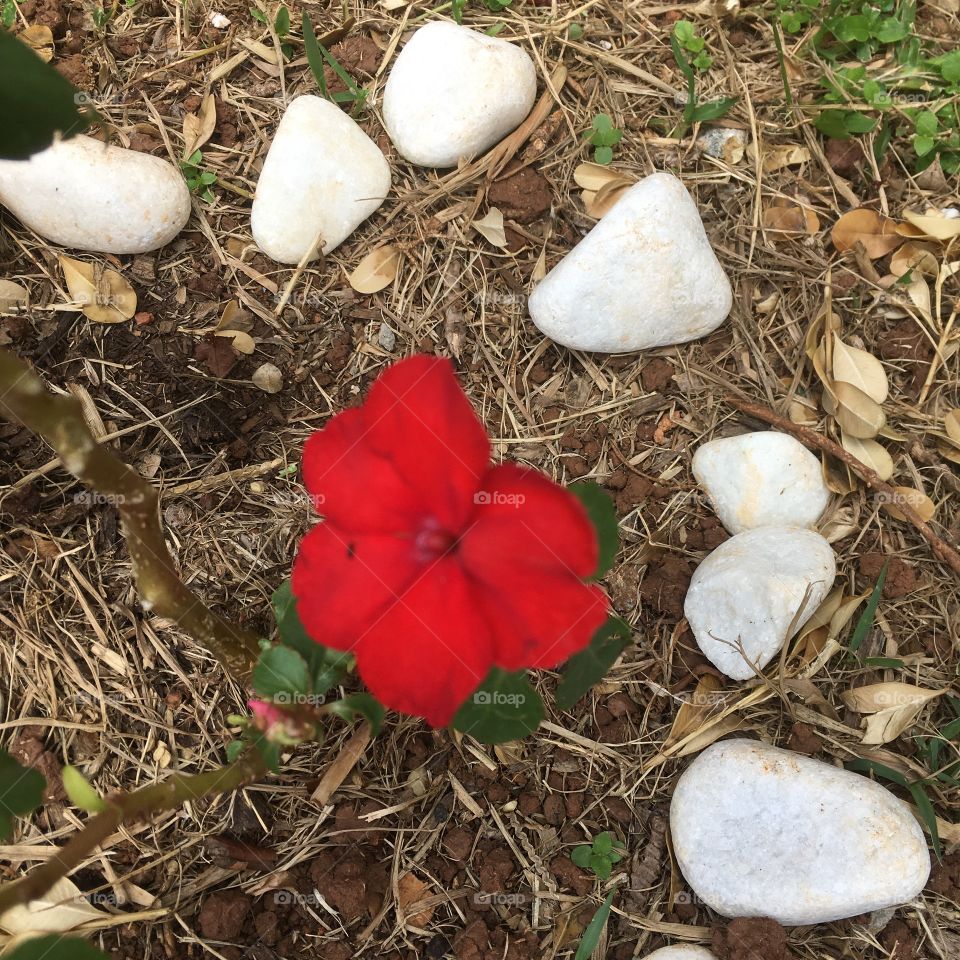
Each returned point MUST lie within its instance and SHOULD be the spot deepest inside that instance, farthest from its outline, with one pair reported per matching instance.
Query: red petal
(418, 416)
(524, 517)
(344, 581)
(527, 552)
(430, 650)
(353, 485)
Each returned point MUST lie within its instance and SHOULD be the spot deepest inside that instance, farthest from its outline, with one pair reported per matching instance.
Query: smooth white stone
(81, 193)
(764, 832)
(322, 176)
(749, 591)
(644, 276)
(453, 93)
(681, 951)
(760, 480)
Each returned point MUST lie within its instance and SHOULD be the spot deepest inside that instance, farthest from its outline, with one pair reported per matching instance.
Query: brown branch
(124, 808)
(943, 550)
(59, 420)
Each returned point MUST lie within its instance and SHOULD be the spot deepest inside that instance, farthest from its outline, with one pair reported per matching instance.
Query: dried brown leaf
(877, 233)
(862, 369)
(934, 224)
(104, 296)
(859, 415)
(913, 255)
(869, 452)
(593, 176)
(921, 504)
(491, 227)
(791, 220)
(377, 270)
(12, 295)
(951, 423)
(40, 39)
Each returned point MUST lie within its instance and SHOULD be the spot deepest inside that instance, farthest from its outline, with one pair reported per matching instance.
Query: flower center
(432, 541)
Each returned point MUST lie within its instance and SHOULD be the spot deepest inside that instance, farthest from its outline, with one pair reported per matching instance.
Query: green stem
(781, 57)
(59, 420)
(123, 808)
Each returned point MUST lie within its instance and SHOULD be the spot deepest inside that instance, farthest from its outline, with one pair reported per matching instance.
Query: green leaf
(21, 792)
(603, 155)
(831, 124)
(282, 22)
(950, 67)
(55, 947)
(327, 667)
(81, 792)
(869, 611)
(314, 55)
(926, 123)
(234, 749)
(925, 808)
(581, 855)
(363, 704)
(504, 707)
(603, 842)
(857, 122)
(703, 61)
(880, 769)
(603, 516)
(852, 29)
(923, 145)
(575, 31)
(35, 102)
(258, 15)
(281, 675)
(601, 866)
(713, 110)
(684, 31)
(891, 30)
(591, 936)
(602, 123)
(589, 666)
(885, 663)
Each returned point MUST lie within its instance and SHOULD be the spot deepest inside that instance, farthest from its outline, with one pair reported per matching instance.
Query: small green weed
(281, 27)
(599, 856)
(198, 180)
(317, 56)
(457, 8)
(604, 136)
(903, 89)
(685, 40)
(8, 15)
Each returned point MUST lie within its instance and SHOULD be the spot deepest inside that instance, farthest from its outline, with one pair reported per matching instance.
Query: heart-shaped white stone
(750, 592)
(644, 276)
(452, 93)
(323, 176)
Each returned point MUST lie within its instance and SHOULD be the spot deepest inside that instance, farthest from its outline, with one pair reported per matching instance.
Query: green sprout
(281, 27)
(317, 55)
(198, 180)
(8, 14)
(604, 136)
(599, 856)
(684, 40)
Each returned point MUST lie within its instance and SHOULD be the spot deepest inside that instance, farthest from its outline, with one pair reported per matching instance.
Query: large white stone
(644, 276)
(751, 589)
(764, 832)
(453, 93)
(323, 176)
(760, 480)
(81, 193)
(681, 951)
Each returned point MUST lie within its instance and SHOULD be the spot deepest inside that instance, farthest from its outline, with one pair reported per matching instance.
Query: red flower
(433, 566)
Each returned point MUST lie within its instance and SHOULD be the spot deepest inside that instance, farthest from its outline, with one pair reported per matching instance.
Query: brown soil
(523, 196)
(751, 938)
(901, 579)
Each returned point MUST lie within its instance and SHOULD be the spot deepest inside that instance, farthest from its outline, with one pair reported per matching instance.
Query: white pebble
(81, 193)
(761, 479)
(763, 832)
(752, 589)
(453, 93)
(644, 276)
(323, 176)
